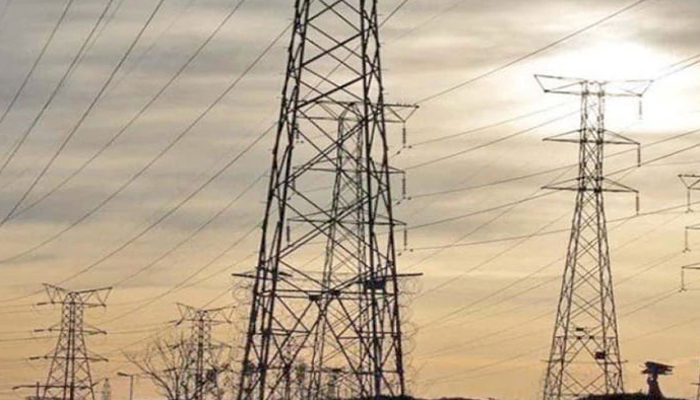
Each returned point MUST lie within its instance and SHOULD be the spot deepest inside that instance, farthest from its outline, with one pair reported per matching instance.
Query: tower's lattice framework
(70, 377)
(585, 353)
(325, 298)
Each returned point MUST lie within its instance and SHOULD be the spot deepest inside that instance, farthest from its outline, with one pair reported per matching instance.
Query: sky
(157, 214)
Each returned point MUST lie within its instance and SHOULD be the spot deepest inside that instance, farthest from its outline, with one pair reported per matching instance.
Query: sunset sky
(163, 229)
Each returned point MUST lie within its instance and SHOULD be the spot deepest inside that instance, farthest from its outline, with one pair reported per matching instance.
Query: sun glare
(608, 61)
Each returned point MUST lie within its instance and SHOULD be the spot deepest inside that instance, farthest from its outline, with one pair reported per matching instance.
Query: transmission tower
(325, 292)
(203, 355)
(69, 375)
(106, 390)
(585, 353)
(691, 183)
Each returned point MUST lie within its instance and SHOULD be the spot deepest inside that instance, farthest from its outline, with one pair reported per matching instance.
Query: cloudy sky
(163, 214)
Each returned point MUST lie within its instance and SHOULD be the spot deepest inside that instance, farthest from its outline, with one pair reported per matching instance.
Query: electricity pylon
(106, 390)
(69, 375)
(585, 353)
(325, 293)
(692, 183)
(203, 355)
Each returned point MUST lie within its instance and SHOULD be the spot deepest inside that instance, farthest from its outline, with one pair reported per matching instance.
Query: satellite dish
(653, 370)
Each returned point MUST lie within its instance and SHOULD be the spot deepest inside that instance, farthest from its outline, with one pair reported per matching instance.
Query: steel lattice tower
(325, 298)
(691, 183)
(202, 353)
(585, 353)
(69, 373)
(106, 390)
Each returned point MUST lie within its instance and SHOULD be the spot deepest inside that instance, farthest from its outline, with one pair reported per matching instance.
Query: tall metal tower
(203, 355)
(69, 376)
(585, 352)
(325, 295)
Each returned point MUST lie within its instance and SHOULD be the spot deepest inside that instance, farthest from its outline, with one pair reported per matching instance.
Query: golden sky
(480, 318)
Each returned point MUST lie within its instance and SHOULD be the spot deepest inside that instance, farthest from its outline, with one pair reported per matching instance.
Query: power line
(42, 53)
(649, 213)
(59, 85)
(662, 74)
(201, 116)
(169, 251)
(531, 54)
(182, 284)
(87, 111)
(189, 237)
(657, 297)
(492, 142)
(540, 234)
(139, 114)
(170, 212)
(139, 59)
(489, 126)
(483, 211)
(535, 196)
(448, 316)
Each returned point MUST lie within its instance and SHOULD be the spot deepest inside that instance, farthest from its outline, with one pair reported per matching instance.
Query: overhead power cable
(200, 229)
(470, 306)
(88, 110)
(142, 111)
(56, 90)
(134, 177)
(532, 53)
(492, 142)
(490, 126)
(37, 61)
(170, 212)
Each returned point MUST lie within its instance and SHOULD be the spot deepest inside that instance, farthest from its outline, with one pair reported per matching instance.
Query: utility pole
(585, 353)
(202, 355)
(69, 375)
(325, 291)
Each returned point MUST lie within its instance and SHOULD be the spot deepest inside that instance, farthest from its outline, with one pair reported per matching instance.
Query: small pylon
(692, 183)
(69, 375)
(203, 354)
(106, 390)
